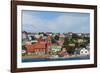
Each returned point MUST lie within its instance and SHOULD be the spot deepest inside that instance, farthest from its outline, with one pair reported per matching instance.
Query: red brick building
(36, 48)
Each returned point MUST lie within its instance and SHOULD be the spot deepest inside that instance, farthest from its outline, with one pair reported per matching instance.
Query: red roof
(36, 46)
(30, 48)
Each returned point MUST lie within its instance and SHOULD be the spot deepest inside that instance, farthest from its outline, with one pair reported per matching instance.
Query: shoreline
(53, 57)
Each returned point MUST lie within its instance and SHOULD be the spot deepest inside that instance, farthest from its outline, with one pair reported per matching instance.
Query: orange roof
(39, 45)
(35, 46)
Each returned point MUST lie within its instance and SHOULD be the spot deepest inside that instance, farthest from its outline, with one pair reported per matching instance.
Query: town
(49, 45)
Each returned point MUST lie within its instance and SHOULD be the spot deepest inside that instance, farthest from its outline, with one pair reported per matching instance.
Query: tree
(70, 49)
(33, 38)
(24, 49)
(75, 36)
(53, 40)
(56, 37)
(66, 42)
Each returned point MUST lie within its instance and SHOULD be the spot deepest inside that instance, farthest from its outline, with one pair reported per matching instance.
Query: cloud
(68, 23)
(31, 22)
(65, 22)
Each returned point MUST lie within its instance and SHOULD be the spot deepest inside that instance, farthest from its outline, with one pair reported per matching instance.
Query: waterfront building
(55, 48)
(24, 37)
(37, 48)
(84, 51)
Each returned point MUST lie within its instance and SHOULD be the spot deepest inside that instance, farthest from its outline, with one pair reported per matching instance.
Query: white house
(24, 35)
(37, 36)
(55, 48)
(84, 51)
(79, 34)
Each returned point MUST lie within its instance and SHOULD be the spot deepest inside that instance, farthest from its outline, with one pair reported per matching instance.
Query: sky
(50, 21)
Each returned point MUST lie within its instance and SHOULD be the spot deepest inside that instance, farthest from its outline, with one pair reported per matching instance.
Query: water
(54, 59)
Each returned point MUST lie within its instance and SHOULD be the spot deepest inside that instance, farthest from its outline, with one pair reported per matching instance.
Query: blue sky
(43, 21)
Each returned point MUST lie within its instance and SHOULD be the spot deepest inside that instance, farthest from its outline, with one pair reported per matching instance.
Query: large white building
(84, 51)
